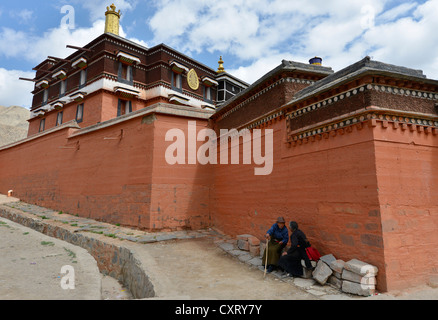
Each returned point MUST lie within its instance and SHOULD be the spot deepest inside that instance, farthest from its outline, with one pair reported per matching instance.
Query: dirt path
(30, 266)
(198, 269)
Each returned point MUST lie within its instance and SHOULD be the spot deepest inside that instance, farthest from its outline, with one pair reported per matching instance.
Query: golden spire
(221, 68)
(112, 20)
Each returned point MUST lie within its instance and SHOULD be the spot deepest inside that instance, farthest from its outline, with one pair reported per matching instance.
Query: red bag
(313, 254)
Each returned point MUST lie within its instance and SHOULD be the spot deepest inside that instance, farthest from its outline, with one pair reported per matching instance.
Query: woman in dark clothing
(291, 260)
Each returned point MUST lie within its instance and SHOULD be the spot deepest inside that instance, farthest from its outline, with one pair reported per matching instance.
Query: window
(207, 95)
(45, 96)
(80, 113)
(177, 81)
(62, 88)
(42, 125)
(59, 118)
(124, 107)
(83, 78)
(125, 73)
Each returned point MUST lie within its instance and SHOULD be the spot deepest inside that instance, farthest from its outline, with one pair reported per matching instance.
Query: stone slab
(337, 265)
(243, 245)
(328, 259)
(254, 250)
(337, 283)
(358, 289)
(354, 277)
(322, 272)
(360, 267)
(226, 246)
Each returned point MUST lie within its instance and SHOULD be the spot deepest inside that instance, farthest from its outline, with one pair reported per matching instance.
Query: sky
(253, 36)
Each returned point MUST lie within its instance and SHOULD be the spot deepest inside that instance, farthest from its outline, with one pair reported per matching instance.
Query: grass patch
(74, 224)
(44, 217)
(47, 243)
(71, 254)
(111, 235)
(60, 212)
(26, 233)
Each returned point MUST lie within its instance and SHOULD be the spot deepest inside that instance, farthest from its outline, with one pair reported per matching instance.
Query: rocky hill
(13, 124)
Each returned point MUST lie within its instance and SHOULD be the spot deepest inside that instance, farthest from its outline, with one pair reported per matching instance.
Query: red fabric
(313, 254)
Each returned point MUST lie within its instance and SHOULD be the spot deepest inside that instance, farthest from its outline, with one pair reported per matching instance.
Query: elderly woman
(278, 236)
(291, 260)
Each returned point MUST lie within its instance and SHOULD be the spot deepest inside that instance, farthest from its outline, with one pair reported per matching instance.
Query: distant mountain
(13, 124)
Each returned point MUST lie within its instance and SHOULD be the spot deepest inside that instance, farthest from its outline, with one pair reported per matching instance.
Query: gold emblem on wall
(193, 80)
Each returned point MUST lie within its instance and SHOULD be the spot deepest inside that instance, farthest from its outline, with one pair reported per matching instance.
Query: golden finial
(112, 20)
(221, 68)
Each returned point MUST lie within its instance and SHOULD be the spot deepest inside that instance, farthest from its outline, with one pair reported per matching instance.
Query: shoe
(270, 268)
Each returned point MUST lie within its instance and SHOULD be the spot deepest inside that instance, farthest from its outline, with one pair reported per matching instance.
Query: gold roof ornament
(221, 68)
(112, 21)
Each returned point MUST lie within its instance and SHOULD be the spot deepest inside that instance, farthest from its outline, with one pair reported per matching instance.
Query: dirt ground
(198, 269)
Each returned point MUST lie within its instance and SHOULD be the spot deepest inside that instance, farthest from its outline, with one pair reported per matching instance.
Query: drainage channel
(113, 260)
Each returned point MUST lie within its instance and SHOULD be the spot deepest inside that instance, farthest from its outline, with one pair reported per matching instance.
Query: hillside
(13, 124)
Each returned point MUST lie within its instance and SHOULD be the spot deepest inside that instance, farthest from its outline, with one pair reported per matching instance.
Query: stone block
(245, 257)
(254, 250)
(262, 248)
(337, 275)
(313, 263)
(358, 289)
(334, 281)
(322, 272)
(255, 261)
(253, 241)
(244, 237)
(307, 274)
(337, 265)
(354, 277)
(328, 258)
(226, 246)
(360, 267)
(243, 245)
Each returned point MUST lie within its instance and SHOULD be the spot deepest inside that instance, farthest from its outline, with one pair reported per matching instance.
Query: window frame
(82, 107)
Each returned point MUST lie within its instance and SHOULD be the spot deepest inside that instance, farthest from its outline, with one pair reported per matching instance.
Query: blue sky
(253, 36)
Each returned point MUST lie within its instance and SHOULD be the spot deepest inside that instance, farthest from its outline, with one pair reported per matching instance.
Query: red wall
(407, 172)
(124, 181)
(329, 187)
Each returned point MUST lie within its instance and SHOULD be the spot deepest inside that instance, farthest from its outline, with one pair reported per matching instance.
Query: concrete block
(337, 265)
(313, 263)
(254, 250)
(226, 246)
(328, 258)
(244, 237)
(253, 241)
(337, 283)
(358, 289)
(255, 261)
(354, 277)
(322, 272)
(245, 257)
(262, 248)
(243, 245)
(307, 274)
(362, 268)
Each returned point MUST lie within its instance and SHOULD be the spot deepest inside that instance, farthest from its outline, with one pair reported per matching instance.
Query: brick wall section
(266, 102)
(407, 174)
(329, 187)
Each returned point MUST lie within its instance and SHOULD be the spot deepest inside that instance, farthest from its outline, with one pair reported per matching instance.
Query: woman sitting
(278, 236)
(291, 260)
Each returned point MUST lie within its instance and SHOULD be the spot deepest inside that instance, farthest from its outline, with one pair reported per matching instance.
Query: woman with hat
(278, 236)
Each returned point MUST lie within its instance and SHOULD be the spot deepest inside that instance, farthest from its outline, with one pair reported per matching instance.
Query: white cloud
(15, 92)
(260, 33)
